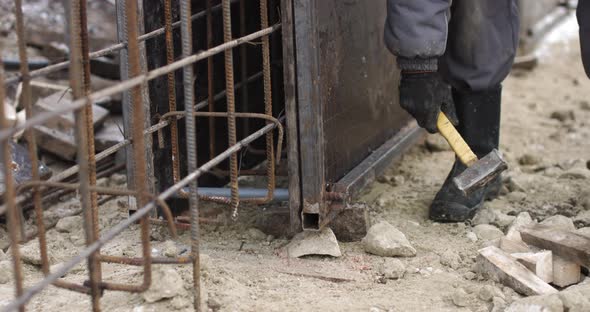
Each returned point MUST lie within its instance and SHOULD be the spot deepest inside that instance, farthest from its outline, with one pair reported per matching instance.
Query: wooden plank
(541, 263)
(568, 245)
(500, 266)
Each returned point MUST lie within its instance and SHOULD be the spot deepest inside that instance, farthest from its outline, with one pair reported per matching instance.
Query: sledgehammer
(479, 171)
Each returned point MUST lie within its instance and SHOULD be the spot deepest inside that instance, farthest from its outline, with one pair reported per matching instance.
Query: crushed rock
(314, 243)
(166, 283)
(5, 272)
(583, 219)
(487, 232)
(383, 239)
(488, 292)
(450, 259)
(461, 298)
(560, 222)
(392, 268)
(169, 249)
(256, 234)
(69, 224)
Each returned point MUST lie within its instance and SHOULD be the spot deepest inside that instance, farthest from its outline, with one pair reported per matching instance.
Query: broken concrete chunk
(549, 303)
(559, 222)
(69, 224)
(565, 272)
(566, 244)
(383, 239)
(56, 142)
(30, 253)
(66, 122)
(460, 297)
(350, 225)
(487, 232)
(488, 292)
(501, 267)
(314, 243)
(166, 283)
(541, 263)
(522, 220)
(513, 246)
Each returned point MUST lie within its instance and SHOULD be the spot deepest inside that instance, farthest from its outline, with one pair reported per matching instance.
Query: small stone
(392, 268)
(383, 239)
(575, 174)
(498, 304)
(560, 222)
(179, 302)
(516, 196)
(503, 220)
(450, 259)
(314, 243)
(528, 160)
(520, 222)
(118, 179)
(585, 105)
(487, 232)
(469, 276)
(460, 297)
(166, 283)
(30, 253)
(563, 115)
(256, 234)
(583, 219)
(471, 236)
(5, 272)
(69, 224)
(2, 255)
(4, 240)
(513, 185)
(484, 216)
(397, 180)
(214, 304)
(169, 249)
(488, 292)
(547, 303)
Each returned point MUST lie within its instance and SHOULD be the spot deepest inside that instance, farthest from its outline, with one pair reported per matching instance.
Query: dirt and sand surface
(545, 138)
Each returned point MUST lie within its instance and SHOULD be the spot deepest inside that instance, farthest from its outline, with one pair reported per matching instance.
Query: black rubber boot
(479, 125)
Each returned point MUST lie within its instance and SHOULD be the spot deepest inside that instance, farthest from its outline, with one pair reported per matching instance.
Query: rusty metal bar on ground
(108, 50)
(136, 81)
(143, 211)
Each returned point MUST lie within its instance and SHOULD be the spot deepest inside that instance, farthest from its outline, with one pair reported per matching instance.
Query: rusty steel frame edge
(329, 187)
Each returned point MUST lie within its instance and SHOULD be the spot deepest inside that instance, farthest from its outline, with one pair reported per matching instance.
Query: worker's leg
(416, 30)
(483, 37)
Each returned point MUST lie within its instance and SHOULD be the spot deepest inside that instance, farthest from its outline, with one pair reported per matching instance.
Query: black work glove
(424, 95)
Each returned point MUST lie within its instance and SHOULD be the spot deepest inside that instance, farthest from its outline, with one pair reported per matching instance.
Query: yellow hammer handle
(448, 131)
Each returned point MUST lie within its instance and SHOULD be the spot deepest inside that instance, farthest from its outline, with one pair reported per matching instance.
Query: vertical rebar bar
(210, 80)
(9, 195)
(89, 128)
(244, 67)
(30, 135)
(77, 84)
(231, 109)
(270, 159)
(171, 90)
(191, 147)
(137, 122)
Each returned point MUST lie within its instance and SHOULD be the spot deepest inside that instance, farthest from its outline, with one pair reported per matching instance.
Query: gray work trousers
(475, 41)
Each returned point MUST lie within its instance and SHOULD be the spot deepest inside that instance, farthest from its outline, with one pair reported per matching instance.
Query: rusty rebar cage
(135, 86)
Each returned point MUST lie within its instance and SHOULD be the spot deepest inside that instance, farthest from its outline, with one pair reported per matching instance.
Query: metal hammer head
(481, 172)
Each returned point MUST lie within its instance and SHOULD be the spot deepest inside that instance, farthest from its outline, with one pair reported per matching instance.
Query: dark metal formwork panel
(347, 91)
